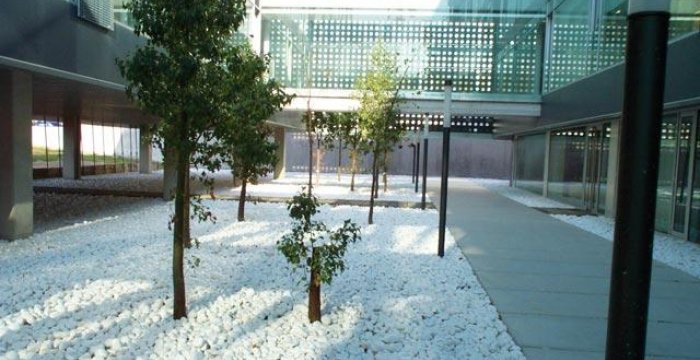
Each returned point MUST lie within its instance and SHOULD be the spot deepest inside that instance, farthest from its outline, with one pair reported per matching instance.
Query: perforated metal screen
(98, 12)
(481, 55)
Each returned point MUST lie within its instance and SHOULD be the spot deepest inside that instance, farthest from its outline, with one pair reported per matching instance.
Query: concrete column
(169, 172)
(71, 141)
(145, 150)
(16, 195)
(280, 168)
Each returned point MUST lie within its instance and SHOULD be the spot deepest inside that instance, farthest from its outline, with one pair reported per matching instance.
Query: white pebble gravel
(672, 251)
(102, 289)
(399, 187)
(519, 195)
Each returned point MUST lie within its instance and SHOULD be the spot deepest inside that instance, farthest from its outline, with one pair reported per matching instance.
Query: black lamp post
(647, 38)
(446, 122)
(417, 169)
(414, 176)
(426, 126)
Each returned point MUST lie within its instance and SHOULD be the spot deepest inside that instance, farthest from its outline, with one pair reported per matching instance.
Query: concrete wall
(48, 33)
(469, 157)
(602, 94)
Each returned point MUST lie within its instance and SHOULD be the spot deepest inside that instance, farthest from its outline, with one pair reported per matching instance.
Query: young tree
(176, 76)
(254, 99)
(378, 95)
(315, 248)
(351, 136)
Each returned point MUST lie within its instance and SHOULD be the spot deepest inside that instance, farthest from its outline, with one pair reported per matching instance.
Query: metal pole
(446, 122)
(426, 127)
(413, 163)
(417, 170)
(425, 172)
(645, 68)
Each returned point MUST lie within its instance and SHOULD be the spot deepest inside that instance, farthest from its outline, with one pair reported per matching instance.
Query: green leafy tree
(242, 136)
(378, 94)
(177, 76)
(315, 248)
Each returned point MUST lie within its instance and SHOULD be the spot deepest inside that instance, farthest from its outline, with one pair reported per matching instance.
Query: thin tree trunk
(314, 294)
(319, 156)
(311, 160)
(385, 166)
(370, 220)
(179, 298)
(353, 169)
(241, 200)
(340, 156)
(187, 238)
(375, 176)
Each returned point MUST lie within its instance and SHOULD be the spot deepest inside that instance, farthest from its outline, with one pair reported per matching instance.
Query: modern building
(546, 74)
(543, 75)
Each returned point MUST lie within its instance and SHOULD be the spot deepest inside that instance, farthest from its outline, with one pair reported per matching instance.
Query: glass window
(567, 150)
(590, 35)
(529, 167)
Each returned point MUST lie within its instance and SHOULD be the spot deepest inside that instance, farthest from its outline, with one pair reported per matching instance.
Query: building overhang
(509, 111)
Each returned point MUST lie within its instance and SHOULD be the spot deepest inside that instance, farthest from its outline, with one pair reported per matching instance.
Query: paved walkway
(550, 280)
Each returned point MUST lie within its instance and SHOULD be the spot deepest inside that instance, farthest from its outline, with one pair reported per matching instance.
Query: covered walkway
(550, 280)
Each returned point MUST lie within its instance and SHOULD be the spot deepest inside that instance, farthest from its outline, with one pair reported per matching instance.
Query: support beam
(16, 196)
(280, 167)
(71, 141)
(145, 150)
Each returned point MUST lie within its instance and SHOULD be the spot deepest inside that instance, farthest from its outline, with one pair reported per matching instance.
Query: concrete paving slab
(543, 282)
(549, 303)
(555, 354)
(571, 333)
(550, 280)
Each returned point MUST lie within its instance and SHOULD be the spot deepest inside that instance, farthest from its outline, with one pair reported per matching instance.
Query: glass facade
(567, 155)
(694, 212)
(667, 170)
(604, 163)
(587, 36)
(578, 166)
(529, 163)
(490, 47)
(104, 148)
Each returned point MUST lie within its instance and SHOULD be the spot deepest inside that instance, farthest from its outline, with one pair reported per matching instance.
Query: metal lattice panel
(482, 55)
(460, 123)
(98, 12)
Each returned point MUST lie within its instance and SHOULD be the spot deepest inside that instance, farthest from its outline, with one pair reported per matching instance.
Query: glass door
(682, 190)
(593, 159)
(667, 171)
(596, 178)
